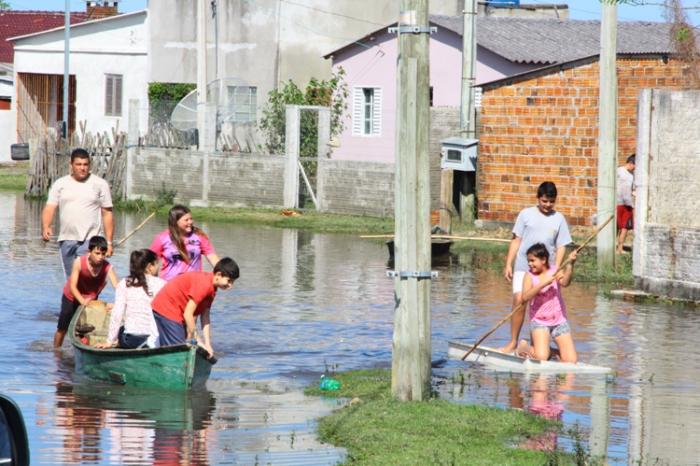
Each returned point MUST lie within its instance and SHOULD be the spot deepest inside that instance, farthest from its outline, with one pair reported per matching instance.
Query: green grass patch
(13, 177)
(304, 220)
(377, 430)
(12, 182)
(493, 256)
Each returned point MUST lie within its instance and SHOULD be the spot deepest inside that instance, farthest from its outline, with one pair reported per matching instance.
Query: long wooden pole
(470, 238)
(522, 303)
(131, 233)
(411, 345)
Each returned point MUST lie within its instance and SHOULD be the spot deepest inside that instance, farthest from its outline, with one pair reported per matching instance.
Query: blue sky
(578, 9)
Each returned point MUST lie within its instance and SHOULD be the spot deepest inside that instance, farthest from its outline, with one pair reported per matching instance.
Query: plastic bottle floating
(329, 384)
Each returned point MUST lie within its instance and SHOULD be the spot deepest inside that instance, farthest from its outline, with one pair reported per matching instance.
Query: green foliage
(169, 91)
(163, 97)
(4, 5)
(332, 93)
(683, 34)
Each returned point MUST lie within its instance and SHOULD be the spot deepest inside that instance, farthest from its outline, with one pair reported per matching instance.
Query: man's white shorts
(518, 278)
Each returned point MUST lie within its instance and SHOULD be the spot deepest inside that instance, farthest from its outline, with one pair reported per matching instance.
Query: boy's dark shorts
(68, 308)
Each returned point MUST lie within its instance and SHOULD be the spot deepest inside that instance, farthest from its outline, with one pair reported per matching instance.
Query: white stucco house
(108, 67)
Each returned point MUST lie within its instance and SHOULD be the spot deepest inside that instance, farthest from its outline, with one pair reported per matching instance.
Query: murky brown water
(309, 301)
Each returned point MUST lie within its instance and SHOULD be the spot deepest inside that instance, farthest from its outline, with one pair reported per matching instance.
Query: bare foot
(523, 349)
(509, 348)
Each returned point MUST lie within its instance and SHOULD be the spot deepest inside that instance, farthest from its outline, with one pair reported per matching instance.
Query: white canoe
(510, 362)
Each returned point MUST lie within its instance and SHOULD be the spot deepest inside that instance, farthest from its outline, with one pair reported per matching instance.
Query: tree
(332, 93)
(4, 5)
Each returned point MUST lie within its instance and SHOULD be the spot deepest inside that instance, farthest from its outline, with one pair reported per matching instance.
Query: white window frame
(367, 114)
(245, 110)
(114, 88)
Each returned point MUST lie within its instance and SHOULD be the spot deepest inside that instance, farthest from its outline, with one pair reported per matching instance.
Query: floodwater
(308, 302)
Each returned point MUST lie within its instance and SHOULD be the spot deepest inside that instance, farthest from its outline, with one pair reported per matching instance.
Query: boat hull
(438, 247)
(179, 367)
(509, 362)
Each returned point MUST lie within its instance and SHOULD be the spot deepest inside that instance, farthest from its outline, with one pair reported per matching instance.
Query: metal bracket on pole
(404, 274)
(412, 29)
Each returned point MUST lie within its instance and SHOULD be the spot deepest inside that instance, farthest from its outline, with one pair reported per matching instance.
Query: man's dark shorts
(68, 308)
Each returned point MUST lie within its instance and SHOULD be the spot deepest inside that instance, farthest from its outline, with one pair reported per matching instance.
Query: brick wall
(544, 126)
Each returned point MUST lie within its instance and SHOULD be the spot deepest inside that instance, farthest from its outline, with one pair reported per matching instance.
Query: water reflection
(309, 301)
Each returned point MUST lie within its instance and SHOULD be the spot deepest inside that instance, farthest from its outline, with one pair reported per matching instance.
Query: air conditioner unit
(459, 154)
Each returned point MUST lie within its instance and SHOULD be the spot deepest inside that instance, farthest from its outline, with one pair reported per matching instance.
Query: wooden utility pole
(607, 133)
(411, 369)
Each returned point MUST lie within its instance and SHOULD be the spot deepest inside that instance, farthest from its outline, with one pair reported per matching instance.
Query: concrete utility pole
(66, 70)
(410, 376)
(607, 133)
(202, 71)
(468, 124)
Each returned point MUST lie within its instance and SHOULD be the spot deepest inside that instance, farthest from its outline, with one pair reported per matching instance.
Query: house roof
(16, 23)
(81, 24)
(550, 41)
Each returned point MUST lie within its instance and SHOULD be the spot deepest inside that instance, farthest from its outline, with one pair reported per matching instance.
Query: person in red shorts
(181, 300)
(625, 201)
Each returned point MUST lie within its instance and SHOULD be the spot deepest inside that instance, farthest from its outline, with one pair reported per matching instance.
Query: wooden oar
(131, 233)
(470, 238)
(522, 303)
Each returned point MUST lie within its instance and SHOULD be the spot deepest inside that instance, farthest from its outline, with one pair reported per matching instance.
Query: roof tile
(17, 23)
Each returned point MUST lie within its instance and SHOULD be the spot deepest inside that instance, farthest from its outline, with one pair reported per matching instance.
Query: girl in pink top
(182, 245)
(542, 287)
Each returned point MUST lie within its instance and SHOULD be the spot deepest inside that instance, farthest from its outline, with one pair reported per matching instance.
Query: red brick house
(543, 124)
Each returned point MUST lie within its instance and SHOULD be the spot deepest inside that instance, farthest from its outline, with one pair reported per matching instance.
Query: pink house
(370, 66)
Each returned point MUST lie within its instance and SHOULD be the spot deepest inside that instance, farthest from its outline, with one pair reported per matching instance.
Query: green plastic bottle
(329, 384)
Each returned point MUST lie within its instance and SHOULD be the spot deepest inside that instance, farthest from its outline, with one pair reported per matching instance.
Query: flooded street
(306, 302)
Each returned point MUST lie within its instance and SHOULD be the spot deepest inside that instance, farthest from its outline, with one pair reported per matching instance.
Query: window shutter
(377, 112)
(117, 95)
(358, 101)
(109, 95)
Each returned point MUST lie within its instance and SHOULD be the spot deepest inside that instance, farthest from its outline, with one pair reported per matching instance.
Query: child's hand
(109, 307)
(573, 256)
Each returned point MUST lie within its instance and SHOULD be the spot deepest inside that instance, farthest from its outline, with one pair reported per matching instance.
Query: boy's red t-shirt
(171, 300)
(89, 286)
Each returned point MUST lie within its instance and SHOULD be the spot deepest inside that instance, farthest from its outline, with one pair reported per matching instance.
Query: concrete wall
(264, 42)
(667, 214)
(357, 188)
(8, 132)
(113, 46)
(206, 178)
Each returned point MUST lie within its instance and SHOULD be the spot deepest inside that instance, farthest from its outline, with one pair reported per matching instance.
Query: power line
(332, 13)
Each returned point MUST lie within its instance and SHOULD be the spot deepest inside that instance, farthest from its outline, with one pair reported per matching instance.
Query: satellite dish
(184, 116)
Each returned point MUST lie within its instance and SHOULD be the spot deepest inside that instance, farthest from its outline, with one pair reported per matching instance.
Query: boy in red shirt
(187, 296)
(87, 278)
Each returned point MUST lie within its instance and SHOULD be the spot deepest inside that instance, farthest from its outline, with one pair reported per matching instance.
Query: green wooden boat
(179, 367)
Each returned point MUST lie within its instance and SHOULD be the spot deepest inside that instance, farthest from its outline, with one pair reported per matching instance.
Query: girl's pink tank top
(547, 307)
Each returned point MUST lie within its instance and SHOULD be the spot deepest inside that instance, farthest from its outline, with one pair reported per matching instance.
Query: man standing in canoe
(538, 224)
(84, 203)
(191, 294)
